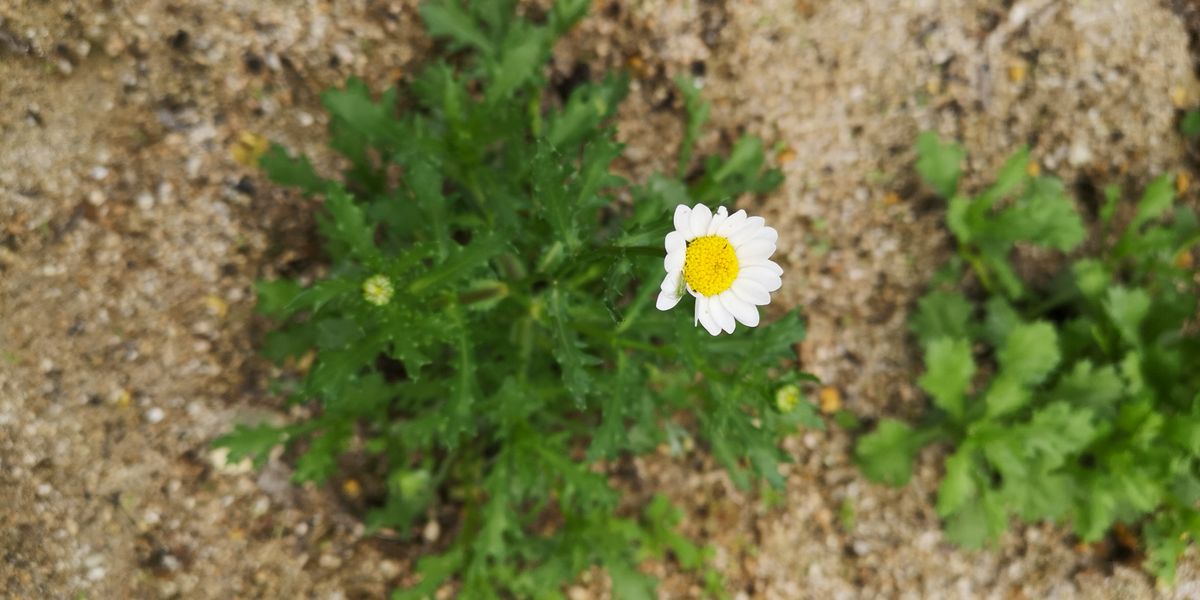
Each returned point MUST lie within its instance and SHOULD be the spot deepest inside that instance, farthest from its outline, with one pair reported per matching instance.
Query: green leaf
(352, 107)
(1045, 217)
(569, 350)
(1127, 308)
(629, 584)
(949, 368)
(274, 296)
(939, 163)
(521, 59)
(346, 226)
(1091, 277)
(337, 333)
(1155, 201)
(1189, 125)
(977, 521)
(1004, 396)
(958, 486)
(296, 172)
(1085, 385)
(886, 455)
(1013, 174)
(696, 108)
(446, 18)
(1030, 353)
(320, 461)
(941, 315)
(459, 264)
(251, 442)
(1001, 319)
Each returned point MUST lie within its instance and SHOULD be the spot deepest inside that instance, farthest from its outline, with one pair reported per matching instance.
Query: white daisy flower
(724, 261)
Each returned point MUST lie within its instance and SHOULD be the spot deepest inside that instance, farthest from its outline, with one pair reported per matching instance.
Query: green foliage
(516, 349)
(1085, 406)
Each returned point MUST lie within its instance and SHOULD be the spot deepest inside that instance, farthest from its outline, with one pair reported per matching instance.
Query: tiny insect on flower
(378, 290)
(724, 261)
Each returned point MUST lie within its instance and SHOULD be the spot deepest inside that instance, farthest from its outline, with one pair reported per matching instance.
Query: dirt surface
(129, 240)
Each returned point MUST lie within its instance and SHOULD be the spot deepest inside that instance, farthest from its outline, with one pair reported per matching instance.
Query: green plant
(486, 329)
(1075, 398)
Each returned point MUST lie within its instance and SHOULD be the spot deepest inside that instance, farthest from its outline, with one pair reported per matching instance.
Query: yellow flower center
(710, 265)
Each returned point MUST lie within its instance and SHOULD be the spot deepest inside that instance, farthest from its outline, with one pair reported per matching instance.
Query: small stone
(432, 531)
(389, 569)
(44, 489)
(99, 172)
(96, 198)
(329, 561)
(155, 415)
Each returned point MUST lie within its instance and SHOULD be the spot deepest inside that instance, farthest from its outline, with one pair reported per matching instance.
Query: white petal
(721, 314)
(751, 228)
(670, 282)
(763, 276)
(769, 234)
(683, 216)
(674, 261)
(743, 311)
(704, 315)
(701, 217)
(732, 224)
(754, 250)
(769, 265)
(722, 214)
(667, 299)
(675, 242)
(751, 291)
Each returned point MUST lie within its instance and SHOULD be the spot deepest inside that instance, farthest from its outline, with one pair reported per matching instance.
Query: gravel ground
(129, 240)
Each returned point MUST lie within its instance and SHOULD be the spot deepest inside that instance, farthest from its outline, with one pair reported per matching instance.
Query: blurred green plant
(486, 328)
(1076, 400)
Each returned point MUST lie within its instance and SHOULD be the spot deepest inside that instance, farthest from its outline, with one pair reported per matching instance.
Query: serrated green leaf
(569, 351)
(1085, 385)
(976, 522)
(886, 455)
(254, 442)
(1013, 174)
(1155, 201)
(958, 485)
(1005, 395)
(274, 296)
(1030, 353)
(1127, 308)
(296, 172)
(1045, 217)
(941, 315)
(320, 460)
(1001, 319)
(346, 226)
(446, 18)
(949, 367)
(939, 163)
(521, 57)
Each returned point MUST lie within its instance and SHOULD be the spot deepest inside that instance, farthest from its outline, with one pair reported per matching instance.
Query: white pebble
(155, 415)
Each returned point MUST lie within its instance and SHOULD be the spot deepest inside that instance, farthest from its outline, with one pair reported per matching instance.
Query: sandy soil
(129, 240)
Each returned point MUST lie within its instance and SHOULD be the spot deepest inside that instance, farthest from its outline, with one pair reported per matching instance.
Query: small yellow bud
(351, 488)
(378, 290)
(786, 398)
(1033, 169)
(1182, 182)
